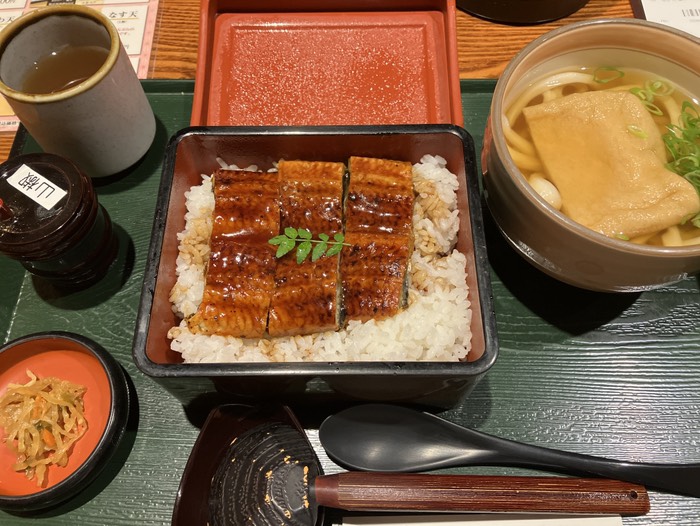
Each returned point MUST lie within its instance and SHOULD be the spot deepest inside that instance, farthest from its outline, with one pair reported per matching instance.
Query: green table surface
(616, 375)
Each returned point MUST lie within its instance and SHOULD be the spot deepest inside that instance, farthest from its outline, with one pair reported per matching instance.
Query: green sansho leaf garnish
(305, 244)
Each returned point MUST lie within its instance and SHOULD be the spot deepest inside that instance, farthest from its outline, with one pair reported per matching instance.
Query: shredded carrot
(38, 406)
(48, 437)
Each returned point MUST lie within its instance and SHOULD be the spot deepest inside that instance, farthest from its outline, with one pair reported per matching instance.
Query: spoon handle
(677, 478)
(359, 491)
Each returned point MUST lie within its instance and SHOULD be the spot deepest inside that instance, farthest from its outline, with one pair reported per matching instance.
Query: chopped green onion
(687, 165)
(690, 121)
(683, 144)
(682, 140)
(637, 131)
(693, 178)
(622, 236)
(659, 88)
(652, 89)
(652, 108)
(647, 98)
(605, 74)
(693, 219)
(642, 94)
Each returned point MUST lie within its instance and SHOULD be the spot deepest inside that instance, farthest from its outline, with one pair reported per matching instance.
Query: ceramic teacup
(98, 115)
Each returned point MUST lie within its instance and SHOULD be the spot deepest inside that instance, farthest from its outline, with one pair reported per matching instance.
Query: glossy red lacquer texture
(328, 68)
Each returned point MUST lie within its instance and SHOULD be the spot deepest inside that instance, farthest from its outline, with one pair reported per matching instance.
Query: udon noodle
(675, 114)
(42, 420)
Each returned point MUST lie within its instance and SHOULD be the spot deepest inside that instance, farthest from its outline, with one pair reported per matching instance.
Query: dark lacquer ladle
(381, 437)
(270, 475)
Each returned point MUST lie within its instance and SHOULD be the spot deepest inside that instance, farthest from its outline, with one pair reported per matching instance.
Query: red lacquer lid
(294, 64)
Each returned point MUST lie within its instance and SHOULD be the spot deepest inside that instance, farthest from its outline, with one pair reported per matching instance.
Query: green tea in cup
(64, 68)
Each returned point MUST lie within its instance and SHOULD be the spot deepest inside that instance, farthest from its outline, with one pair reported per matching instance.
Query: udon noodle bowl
(613, 147)
(578, 175)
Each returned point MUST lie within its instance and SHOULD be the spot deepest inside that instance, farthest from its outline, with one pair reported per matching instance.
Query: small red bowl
(77, 359)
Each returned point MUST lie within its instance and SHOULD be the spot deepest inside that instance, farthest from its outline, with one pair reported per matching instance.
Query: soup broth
(64, 69)
(665, 102)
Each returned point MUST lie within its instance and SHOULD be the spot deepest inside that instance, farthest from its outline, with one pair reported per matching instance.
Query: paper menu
(135, 21)
(496, 519)
(681, 14)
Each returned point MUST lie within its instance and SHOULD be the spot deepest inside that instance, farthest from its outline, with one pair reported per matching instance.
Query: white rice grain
(434, 327)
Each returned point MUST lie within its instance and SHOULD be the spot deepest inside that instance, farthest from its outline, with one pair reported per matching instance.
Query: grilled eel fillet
(248, 293)
(305, 298)
(379, 228)
(240, 274)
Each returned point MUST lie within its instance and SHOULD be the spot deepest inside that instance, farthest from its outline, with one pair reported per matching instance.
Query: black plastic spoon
(380, 437)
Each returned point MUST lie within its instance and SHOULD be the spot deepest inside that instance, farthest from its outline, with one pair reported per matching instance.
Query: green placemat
(609, 374)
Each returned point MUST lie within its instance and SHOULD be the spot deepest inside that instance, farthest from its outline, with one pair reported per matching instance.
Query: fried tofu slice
(604, 153)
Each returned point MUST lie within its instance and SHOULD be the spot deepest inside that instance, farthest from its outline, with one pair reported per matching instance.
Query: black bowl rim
(321, 369)
(521, 13)
(107, 445)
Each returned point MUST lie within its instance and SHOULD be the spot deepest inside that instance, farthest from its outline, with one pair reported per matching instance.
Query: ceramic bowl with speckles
(545, 235)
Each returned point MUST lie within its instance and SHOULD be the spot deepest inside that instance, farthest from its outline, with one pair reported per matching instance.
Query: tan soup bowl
(545, 237)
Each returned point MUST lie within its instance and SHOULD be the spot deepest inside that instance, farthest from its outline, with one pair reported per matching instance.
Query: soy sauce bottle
(51, 221)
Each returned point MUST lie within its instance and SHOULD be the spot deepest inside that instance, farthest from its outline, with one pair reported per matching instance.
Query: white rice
(434, 327)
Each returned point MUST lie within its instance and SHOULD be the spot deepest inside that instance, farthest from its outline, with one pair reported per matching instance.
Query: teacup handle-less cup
(103, 123)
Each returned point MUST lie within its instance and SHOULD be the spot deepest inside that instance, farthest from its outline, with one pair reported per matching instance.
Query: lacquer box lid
(314, 62)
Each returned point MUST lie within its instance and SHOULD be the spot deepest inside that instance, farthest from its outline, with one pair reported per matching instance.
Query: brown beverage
(64, 68)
